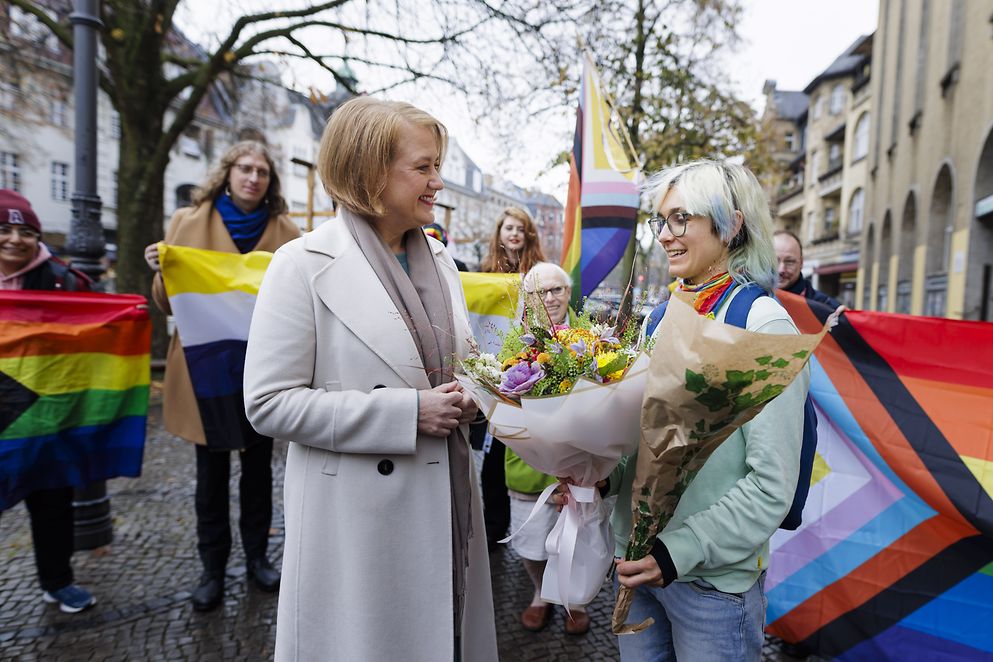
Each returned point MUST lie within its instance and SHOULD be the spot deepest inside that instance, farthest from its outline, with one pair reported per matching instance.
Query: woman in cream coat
(350, 358)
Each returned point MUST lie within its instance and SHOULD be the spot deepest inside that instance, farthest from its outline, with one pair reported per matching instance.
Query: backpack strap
(741, 303)
(654, 318)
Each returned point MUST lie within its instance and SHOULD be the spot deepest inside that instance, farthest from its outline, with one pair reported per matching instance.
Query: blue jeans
(694, 621)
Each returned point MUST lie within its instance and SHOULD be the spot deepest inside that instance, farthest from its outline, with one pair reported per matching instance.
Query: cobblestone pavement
(143, 580)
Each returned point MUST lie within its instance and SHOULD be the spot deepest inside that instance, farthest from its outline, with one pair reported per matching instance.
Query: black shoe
(263, 574)
(209, 594)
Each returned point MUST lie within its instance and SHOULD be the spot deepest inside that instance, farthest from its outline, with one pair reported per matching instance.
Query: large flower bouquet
(566, 399)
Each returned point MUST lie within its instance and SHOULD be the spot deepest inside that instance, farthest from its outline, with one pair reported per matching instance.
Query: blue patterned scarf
(245, 229)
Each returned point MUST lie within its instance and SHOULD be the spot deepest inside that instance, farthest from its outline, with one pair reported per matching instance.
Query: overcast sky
(790, 41)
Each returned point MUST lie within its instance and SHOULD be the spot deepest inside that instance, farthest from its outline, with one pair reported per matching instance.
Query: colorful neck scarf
(710, 296)
(245, 229)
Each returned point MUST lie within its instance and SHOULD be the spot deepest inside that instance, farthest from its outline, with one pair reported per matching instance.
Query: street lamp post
(85, 244)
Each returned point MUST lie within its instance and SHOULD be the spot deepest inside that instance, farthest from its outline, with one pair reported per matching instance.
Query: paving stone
(143, 581)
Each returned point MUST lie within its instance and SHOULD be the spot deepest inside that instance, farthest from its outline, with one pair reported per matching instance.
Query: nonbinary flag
(602, 200)
(74, 376)
(492, 300)
(894, 560)
(212, 295)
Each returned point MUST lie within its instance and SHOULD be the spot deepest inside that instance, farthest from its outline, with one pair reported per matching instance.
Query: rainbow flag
(74, 374)
(492, 301)
(602, 200)
(212, 295)
(894, 560)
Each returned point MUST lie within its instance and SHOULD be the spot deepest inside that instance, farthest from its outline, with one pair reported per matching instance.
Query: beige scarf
(421, 297)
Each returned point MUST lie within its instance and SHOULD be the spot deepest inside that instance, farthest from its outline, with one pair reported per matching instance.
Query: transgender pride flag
(212, 295)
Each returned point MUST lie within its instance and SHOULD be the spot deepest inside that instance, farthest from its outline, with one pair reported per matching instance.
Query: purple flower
(555, 348)
(607, 335)
(528, 339)
(579, 347)
(519, 379)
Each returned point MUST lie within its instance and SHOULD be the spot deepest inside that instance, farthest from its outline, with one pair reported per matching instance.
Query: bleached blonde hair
(716, 189)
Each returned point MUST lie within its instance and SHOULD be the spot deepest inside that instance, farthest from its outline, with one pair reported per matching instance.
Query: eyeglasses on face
(554, 291)
(7, 231)
(247, 170)
(677, 222)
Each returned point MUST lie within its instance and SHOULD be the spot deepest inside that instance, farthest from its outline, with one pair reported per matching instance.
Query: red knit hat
(16, 210)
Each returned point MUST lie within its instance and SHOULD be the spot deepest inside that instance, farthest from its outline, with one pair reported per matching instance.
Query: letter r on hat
(14, 217)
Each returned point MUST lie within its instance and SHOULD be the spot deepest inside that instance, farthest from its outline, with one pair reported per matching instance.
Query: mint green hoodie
(721, 528)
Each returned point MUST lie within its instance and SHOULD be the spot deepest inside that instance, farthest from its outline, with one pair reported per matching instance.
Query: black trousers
(496, 501)
(212, 501)
(52, 532)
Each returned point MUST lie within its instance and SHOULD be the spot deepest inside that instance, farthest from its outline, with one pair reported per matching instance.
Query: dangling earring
(227, 191)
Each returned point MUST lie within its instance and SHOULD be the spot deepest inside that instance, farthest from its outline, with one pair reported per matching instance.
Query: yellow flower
(510, 363)
(605, 359)
(614, 376)
(544, 357)
(565, 386)
(569, 336)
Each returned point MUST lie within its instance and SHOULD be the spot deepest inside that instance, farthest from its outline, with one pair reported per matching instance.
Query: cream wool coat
(367, 564)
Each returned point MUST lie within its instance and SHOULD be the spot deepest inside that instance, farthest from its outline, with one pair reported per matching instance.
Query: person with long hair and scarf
(240, 208)
(356, 331)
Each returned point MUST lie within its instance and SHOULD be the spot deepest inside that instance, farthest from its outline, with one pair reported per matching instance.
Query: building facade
(821, 138)
(927, 245)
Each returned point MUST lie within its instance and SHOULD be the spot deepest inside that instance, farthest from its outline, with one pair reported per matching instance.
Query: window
(837, 99)
(855, 210)
(790, 138)
(811, 226)
(830, 221)
(300, 152)
(60, 181)
(10, 171)
(59, 115)
(113, 189)
(115, 125)
(184, 195)
(861, 137)
(834, 156)
(8, 95)
(813, 167)
(818, 106)
(28, 27)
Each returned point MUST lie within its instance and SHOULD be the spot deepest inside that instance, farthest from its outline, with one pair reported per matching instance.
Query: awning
(841, 267)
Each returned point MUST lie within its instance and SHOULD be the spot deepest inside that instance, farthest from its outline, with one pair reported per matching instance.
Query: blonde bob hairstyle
(715, 190)
(359, 145)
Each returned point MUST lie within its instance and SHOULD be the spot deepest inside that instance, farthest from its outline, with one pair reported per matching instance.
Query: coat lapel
(351, 290)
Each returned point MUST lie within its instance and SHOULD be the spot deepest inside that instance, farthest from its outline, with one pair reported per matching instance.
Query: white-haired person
(703, 581)
(547, 288)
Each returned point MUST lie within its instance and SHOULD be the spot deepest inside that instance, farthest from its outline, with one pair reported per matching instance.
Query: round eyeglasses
(676, 221)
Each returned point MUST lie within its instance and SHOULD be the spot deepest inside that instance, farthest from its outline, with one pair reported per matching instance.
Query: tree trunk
(139, 218)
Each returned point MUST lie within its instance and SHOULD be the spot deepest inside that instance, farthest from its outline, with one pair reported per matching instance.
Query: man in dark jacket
(27, 264)
(789, 254)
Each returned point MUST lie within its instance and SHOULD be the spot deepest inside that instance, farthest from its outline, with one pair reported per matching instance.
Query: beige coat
(200, 227)
(367, 564)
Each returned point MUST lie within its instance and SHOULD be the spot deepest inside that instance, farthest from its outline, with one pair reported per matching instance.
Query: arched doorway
(868, 260)
(905, 258)
(979, 278)
(885, 251)
(939, 236)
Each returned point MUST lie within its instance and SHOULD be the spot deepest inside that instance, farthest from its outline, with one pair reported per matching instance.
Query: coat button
(385, 467)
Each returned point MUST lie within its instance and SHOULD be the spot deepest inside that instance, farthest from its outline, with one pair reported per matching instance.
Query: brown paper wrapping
(705, 380)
